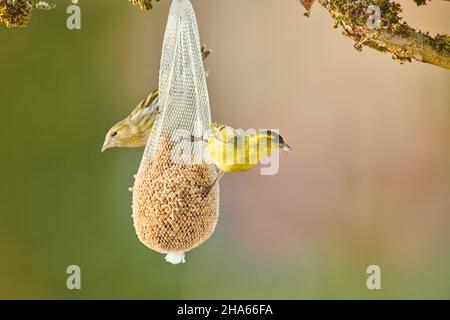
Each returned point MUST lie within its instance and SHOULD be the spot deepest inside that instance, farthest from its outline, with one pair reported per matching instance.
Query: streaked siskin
(135, 129)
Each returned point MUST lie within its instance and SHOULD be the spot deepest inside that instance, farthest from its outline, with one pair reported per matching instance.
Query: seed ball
(171, 212)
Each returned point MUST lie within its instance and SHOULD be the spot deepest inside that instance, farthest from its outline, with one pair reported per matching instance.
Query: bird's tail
(205, 52)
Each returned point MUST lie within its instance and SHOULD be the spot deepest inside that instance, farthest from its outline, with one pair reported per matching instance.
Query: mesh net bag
(171, 213)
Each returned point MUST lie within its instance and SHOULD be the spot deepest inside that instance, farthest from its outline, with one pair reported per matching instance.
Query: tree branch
(143, 4)
(17, 13)
(387, 32)
(424, 2)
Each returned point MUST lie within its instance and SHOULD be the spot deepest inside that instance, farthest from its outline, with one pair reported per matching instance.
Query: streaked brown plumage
(134, 130)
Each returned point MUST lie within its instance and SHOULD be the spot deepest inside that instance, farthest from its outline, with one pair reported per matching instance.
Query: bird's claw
(205, 190)
(189, 138)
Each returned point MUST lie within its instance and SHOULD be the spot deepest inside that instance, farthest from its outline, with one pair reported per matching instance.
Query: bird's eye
(114, 134)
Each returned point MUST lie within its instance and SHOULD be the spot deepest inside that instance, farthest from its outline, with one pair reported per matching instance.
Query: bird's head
(122, 135)
(279, 141)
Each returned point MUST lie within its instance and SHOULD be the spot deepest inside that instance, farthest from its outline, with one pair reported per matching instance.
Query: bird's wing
(225, 134)
(146, 103)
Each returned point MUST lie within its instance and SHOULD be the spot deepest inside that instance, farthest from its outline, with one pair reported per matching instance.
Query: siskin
(134, 130)
(233, 150)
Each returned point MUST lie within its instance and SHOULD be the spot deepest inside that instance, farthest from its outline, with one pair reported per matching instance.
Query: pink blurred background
(368, 181)
(369, 178)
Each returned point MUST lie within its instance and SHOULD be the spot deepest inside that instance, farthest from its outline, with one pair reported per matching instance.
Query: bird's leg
(218, 177)
(207, 189)
(192, 138)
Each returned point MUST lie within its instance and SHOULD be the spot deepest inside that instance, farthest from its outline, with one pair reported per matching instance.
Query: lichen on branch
(389, 32)
(17, 13)
(307, 4)
(424, 2)
(143, 4)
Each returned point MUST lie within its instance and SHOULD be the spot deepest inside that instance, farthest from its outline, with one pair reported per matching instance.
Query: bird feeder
(171, 213)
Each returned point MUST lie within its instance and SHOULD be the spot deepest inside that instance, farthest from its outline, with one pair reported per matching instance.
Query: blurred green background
(368, 182)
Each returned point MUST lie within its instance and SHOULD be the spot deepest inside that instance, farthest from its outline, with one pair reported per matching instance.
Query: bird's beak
(105, 147)
(287, 148)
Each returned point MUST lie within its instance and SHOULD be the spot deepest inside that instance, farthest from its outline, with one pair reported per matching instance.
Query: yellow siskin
(232, 150)
(134, 130)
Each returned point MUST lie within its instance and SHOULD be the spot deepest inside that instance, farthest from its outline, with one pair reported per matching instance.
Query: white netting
(171, 212)
(183, 92)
